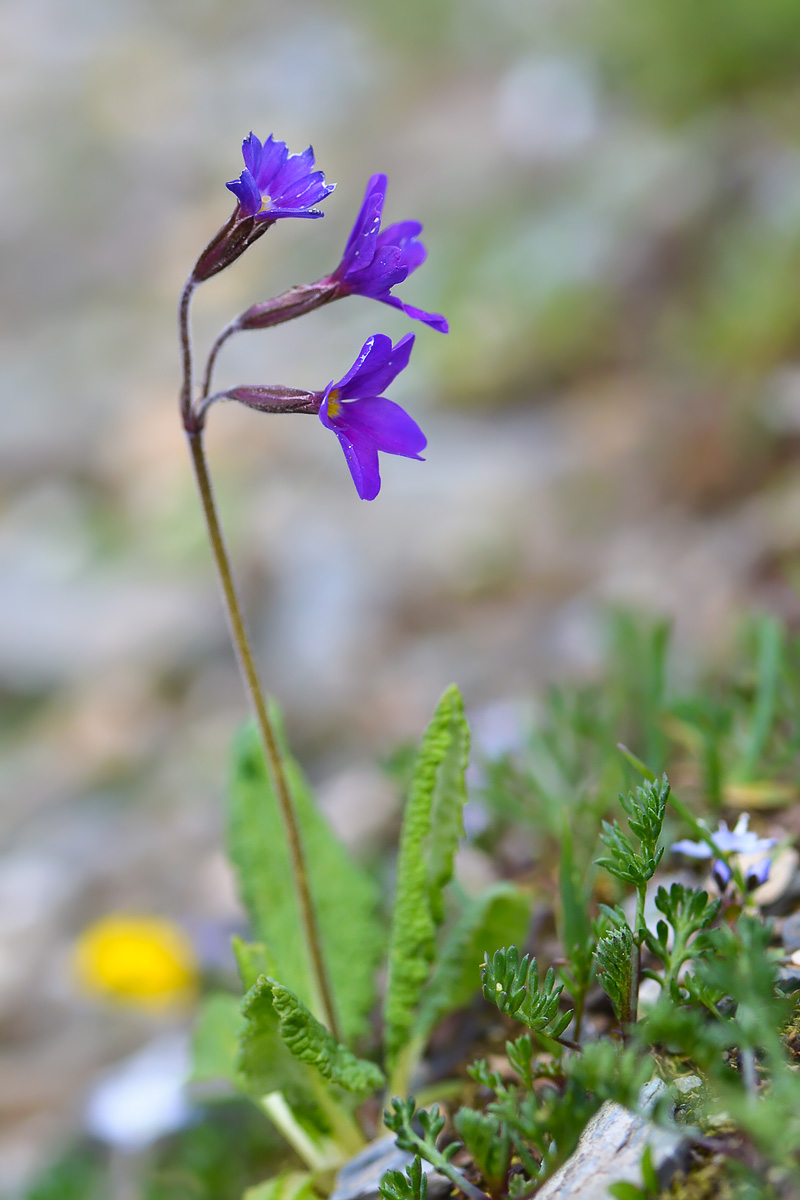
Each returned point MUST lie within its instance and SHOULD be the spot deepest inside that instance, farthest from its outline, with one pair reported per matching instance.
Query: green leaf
(432, 824)
(501, 914)
(252, 959)
(512, 984)
(626, 1191)
(615, 968)
(574, 893)
(345, 897)
(215, 1043)
(289, 1185)
(488, 1141)
(770, 637)
(310, 1042)
(447, 772)
(413, 1185)
(265, 1062)
(649, 1174)
(645, 809)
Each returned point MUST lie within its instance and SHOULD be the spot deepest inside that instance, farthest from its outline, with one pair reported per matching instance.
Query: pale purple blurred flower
(739, 840)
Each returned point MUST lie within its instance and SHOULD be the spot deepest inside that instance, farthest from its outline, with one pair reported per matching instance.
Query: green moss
(709, 1180)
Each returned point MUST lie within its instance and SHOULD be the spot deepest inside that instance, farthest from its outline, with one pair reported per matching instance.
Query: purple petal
(296, 168)
(302, 193)
(758, 874)
(376, 366)
(362, 459)
(400, 232)
(375, 279)
(323, 409)
(403, 235)
(378, 344)
(434, 320)
(274, 214)
(251, 152)
(245, 190)
(721, 874)
(386, 423)
(360, 248)
(273, 156)
(692, 849)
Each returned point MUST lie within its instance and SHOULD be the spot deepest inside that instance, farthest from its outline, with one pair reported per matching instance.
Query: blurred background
(611, 200)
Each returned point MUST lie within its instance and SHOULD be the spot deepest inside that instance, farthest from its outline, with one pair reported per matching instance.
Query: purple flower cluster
(276, 184)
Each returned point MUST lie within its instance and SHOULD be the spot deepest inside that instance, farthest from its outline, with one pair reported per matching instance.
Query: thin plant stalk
(269, 741)
(227, 332)
(638, 938)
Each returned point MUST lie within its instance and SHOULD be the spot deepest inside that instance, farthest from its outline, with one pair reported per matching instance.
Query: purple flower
(754, 877)
(275, 183)
(365, 421)
(375, 260)
(758, 874)
(736, 841)
(721, 873)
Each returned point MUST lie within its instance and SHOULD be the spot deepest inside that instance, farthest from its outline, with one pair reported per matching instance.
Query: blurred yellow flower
(143, 961)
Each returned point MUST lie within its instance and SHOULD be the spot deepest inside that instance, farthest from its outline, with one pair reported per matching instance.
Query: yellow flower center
(334, 404)
(265, 203)
(136, 960)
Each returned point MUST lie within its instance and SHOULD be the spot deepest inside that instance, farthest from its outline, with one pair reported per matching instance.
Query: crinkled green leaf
(431, 828)
(345, 897)
(449, 797)
(264, 1060)
(310, 1042)
(498, 916)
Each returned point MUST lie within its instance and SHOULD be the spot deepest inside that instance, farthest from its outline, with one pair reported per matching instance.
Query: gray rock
(788, 979)
(359, 1179)
(610, 1151)
(790, 933)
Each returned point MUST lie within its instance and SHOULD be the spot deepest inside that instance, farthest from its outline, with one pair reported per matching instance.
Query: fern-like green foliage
(645, 809)
(489, 1143)
(432, 825)
(310, 1042)
(345, 897)
(615, 967)
(689, 912)
(411, 1185)
(608, 1072)
(499, 915)
(512, 984)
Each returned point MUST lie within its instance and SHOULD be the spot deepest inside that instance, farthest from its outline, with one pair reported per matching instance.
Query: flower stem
(268, 738)
(227, 332)
(186, 352)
